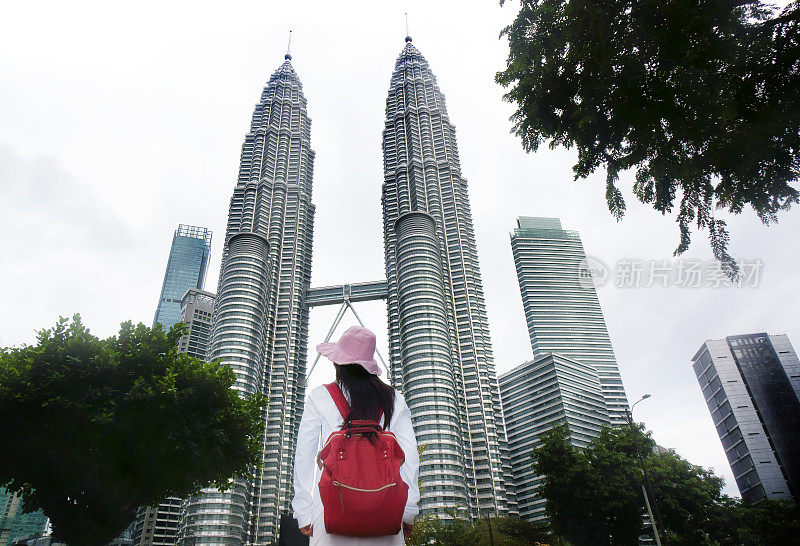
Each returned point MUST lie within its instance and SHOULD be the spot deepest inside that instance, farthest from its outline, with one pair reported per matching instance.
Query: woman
(357, 376)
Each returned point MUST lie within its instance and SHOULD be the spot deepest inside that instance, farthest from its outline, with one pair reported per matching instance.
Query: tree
(434, 531)
(701, 97)
(521, 532)
(687, 496)
(459, 531)
(594, 495)
(726, 523)
(591, 494)
(769, 522)
(739, 523)
(94, 428)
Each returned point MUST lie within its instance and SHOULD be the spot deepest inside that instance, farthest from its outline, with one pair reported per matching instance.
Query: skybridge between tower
(331, 295)
(345, 295)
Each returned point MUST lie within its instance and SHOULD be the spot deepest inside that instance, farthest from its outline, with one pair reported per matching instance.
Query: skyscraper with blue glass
(186, 268)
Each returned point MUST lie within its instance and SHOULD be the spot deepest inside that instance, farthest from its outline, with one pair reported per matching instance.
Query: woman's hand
(407, 530)
(308, 530)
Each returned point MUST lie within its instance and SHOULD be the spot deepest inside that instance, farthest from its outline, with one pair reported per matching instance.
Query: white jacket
(320, 418)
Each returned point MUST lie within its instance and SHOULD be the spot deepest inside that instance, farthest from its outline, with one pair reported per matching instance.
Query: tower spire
(408, 34)
(288, 55)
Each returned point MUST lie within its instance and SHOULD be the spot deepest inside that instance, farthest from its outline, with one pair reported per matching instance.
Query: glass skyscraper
(560, 303)
(438, 330)
(751, 384)
(260, 324)
(186, 268)
(538, 395)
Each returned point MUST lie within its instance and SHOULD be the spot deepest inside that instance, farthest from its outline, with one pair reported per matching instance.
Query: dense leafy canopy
(769, 522)
(688, 497)
(594, 496)
(701, 97)
(458, 531)
(93, 428)
(593, 493)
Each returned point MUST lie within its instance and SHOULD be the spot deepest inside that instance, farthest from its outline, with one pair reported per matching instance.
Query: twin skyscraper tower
(439, 343)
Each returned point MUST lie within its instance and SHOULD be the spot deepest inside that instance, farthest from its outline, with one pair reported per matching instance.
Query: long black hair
(368, 394)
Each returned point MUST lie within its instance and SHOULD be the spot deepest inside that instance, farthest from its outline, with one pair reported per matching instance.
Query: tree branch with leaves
(700, 97)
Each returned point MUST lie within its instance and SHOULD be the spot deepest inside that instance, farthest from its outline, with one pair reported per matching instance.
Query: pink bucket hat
(356, 346)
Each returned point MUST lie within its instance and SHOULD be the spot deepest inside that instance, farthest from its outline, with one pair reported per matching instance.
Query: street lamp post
(489, 525)
(647, 487)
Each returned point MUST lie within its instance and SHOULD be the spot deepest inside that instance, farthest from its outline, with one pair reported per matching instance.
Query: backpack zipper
(339, 484)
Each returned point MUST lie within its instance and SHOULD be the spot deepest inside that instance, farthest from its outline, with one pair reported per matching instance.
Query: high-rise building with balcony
(157, 525)
(15, 523)
(538, 395)
(186, 268)
(751, 384)
(439, 340)
(560, 303)
(197, 309)
(260, 324)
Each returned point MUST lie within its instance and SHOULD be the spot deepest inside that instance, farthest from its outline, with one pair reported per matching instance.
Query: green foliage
(432, 530)
(458, 531)
(737, 523)
(519, 532)
(94, 428)
(687, 496)
(772, 522)
(594, 496)
(699, 96)
(597, 492)
(592, 493)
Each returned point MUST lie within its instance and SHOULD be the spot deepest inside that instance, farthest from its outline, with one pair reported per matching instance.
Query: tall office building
(538, 395)
(186, 268)
(197, 309)
(158, 525)
(751, 384)
(16, 524)
(438, 332)
(561, 305)
(260, 325)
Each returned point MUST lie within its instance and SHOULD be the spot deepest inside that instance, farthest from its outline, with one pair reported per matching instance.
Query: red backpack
(361, 489)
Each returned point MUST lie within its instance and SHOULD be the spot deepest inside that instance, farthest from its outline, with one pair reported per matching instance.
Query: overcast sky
(119, 121)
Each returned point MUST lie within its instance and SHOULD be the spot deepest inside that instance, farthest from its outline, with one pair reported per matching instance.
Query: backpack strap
(338, 399)
(341, 402)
